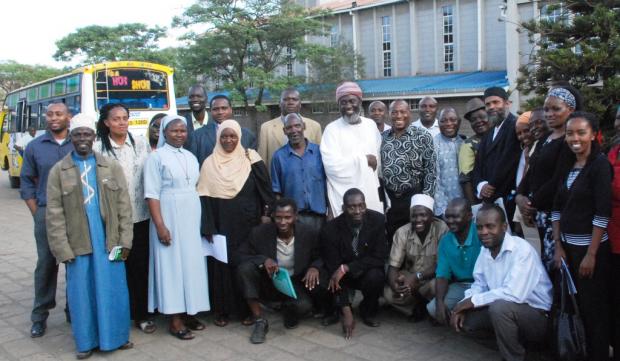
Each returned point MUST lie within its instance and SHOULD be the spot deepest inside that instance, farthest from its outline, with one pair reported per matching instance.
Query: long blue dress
(178, 272)
(96, 287)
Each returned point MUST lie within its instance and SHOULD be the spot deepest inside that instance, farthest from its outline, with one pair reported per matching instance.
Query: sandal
(147, 326)
(248, 321)
(193, 324)
(84, 355)
(220, 321)
(127, 346)
(184, 334)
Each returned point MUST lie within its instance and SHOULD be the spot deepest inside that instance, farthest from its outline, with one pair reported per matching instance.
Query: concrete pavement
(396, 339)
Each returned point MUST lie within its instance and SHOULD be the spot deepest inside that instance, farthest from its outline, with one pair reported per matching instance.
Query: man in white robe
(350, 151)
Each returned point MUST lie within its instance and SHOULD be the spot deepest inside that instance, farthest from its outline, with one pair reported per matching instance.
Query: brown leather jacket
(67, 226)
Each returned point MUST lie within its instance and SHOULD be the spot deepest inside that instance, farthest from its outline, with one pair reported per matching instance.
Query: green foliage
(329, 66)
(14, 75)
(581, 48)
(95, 44)
(244, 44)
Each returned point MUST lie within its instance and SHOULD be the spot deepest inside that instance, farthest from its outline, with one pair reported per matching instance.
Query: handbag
(570, 336)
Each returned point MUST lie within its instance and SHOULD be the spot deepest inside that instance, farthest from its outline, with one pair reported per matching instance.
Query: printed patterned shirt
(408, 163)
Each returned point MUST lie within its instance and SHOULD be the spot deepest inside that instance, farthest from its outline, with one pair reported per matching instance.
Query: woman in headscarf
(236, 196)
(177, 270)
(538, 188)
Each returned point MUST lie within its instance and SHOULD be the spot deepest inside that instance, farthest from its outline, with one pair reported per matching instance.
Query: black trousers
(615, 262)
(399, 213)
(370, 283)
(137, 271)
(254, 283)
(593, 298)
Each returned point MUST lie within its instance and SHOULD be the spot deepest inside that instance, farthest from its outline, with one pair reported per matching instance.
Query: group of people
(408, 212)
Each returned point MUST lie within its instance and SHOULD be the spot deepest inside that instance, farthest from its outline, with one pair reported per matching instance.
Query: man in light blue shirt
(511, 294)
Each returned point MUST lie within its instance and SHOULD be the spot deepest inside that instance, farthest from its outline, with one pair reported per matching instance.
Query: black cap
(496, 91)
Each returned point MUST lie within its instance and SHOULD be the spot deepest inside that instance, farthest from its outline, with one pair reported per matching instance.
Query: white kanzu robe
(344, 148)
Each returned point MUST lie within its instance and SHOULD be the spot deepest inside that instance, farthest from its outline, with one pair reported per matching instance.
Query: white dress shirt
(434, 129)
(515, 275)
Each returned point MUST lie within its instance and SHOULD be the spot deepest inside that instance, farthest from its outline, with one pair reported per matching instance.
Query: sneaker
(261, 327)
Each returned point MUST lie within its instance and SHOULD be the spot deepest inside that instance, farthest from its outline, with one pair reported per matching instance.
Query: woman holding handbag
(580, 215)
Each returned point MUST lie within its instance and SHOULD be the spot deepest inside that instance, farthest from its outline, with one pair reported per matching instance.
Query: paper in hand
(217, 249)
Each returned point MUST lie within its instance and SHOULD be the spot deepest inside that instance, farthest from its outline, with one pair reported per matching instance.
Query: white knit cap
(422, 200)
(82, 120)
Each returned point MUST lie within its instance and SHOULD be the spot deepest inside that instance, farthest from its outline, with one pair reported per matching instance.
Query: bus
(146, 89)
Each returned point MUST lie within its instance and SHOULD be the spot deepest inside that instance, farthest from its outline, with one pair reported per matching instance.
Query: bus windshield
(139, 89)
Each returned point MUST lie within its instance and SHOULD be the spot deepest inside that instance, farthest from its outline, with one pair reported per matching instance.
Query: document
(217, 249)
(282, 282)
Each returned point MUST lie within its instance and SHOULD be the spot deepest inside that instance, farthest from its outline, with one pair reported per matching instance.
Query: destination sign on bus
(131, 79)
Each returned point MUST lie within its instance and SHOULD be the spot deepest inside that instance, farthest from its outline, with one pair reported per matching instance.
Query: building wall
(402, 37)
(468, 35)
(494, 36)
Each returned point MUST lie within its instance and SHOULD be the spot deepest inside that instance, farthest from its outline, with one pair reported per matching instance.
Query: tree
(95, 44)
(245, 43)
(329, 66)
(579, 44)
(14, 75)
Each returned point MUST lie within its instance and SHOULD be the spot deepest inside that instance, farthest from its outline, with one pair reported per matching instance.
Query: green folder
(282, 282)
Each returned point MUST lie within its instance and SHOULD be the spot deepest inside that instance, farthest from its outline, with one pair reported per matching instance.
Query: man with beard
(203, 140)
(378, 112)
(476, 113)
(271, 137)
(428, 116)
(39, 157)
(350, 151)
(497, 160)
(408, 165)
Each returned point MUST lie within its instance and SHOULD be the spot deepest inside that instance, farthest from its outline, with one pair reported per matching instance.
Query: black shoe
(38, 329)
(370, 321)
(419, 314)
(291, 321)
(330, 319)
(261, 327)
(67, 316)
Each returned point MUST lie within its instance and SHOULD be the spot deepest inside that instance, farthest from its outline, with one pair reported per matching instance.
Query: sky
(31, 28)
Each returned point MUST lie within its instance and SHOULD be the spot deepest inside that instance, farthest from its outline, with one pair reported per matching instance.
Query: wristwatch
(419, 276)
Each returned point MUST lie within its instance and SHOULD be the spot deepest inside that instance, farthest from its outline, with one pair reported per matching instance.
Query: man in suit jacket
(281, 246)
(354, 249)
(497, 159)
(202, 141)
(271, 137)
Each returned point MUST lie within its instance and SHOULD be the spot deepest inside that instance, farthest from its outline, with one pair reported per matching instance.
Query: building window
(386, 27)
(448, 38)
(553, 13)
(289, 61)
(333, 36)
(318, 108)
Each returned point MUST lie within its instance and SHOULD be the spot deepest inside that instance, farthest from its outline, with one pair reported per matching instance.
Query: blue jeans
(456, 292)
(46, 272)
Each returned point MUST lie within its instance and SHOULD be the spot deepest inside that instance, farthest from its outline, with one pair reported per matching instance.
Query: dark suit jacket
(261, 244)
(497, 160)
(202, 141)
(336, 248)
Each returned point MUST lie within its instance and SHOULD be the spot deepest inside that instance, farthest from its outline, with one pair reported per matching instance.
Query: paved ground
(396, 339)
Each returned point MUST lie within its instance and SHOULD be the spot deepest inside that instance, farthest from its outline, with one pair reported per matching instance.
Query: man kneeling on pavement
(413, 258)
(283, 245)
(456, 257)
(511, 293)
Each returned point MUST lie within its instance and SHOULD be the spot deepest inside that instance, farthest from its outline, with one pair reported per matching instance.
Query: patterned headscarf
(564, 95)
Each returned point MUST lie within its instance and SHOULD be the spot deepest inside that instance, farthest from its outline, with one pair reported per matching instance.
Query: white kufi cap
(422, 200)
(82, 120)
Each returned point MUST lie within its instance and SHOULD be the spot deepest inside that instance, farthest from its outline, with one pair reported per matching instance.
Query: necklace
(185, 168)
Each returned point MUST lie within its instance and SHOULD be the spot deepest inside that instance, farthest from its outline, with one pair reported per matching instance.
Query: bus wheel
(14, 182)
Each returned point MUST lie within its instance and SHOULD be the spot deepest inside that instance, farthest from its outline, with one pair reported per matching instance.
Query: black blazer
(336, 248)
(202, 141)
(497, 160)
(262, 243)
